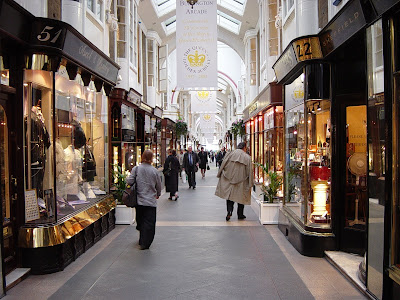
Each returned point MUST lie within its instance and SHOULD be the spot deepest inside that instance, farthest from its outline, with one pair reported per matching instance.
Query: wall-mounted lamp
(319, 107)
(191, 2)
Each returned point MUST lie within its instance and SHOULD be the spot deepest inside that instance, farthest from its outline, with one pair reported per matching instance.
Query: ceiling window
(228, 22)
(170, 25)
(236, 6)
(162, 7)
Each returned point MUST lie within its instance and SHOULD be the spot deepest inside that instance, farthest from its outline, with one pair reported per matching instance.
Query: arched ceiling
(239, 15)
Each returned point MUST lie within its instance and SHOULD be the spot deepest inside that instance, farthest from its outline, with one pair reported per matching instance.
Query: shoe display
(242, 217)
(228, 216)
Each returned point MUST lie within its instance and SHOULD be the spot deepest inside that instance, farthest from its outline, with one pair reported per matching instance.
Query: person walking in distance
(203, 156)
(235, 180)
(220, 156)
(190, 166)
(171, 171)
(148, 184)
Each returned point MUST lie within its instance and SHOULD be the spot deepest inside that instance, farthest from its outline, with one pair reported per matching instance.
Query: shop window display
(295, 157)
(65, 146)
(318, 162)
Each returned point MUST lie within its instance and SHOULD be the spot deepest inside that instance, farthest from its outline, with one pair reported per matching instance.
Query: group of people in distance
(235, 181)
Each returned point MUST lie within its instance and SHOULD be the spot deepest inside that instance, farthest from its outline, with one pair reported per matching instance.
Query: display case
(66, 140)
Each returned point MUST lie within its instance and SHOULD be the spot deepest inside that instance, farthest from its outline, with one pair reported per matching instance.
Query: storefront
(133, 130)
(54, 141)
(168, 139)
(341, 141)
(263, 120)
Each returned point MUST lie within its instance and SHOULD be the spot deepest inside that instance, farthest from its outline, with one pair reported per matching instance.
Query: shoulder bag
(129, 197)
(167, 172)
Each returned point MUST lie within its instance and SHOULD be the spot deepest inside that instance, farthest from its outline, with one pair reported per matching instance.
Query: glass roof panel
(228, 22)
(162, 7)
(169, 25)
(236, 6)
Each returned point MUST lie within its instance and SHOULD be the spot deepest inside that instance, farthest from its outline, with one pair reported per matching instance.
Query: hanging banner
(203, 101)
(196, 44)
(207, 121)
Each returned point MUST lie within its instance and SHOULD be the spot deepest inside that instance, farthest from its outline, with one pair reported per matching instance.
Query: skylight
(169, 25)
(162, 7)
(228, 22)
(236, 6)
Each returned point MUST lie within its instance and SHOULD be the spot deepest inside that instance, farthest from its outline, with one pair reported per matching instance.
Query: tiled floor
(196, 254)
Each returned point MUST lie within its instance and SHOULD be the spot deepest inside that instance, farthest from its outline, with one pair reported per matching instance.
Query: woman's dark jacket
(203, 156)
(171, 181)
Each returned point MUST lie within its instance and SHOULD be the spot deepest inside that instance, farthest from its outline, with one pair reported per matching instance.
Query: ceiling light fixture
(313, 109)
(191, 2)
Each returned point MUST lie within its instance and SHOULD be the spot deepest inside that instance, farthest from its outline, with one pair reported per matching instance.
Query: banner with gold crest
(196, 44)
(203, 101)
(207, 121)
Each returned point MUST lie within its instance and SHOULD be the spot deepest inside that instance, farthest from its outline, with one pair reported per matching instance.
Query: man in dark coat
(171, 171)
(190, 166)
(220, 156)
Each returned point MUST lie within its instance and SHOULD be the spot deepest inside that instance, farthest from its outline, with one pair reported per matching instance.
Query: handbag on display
(129, 197)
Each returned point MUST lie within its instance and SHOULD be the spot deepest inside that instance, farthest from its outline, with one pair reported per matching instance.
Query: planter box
(295, 207)
(268, 213)
(124, 215)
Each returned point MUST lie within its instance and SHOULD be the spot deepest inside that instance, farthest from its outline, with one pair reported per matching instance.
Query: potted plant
(181, 128)
(291, 175)
(267, 206)
(123, 214)
(238, 128)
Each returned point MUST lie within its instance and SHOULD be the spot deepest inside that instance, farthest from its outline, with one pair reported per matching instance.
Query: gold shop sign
(253, 108)
(307, 48)
(302, 49)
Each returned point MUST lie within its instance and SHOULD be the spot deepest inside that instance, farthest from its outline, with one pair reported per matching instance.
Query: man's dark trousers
(191, 176)
(229, 208)
(146, 223)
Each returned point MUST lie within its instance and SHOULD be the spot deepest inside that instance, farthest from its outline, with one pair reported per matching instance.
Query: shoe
(241, 217)
(141, 247)
(228, 216)
(190, 187)
(176, 198)
(170, 198)
(194, 187)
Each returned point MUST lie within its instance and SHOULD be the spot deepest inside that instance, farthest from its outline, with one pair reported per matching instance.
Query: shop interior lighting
(319, 107)
(313, 109)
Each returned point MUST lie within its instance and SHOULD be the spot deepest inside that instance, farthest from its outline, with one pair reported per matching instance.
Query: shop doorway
(353, 166)
(8, 182)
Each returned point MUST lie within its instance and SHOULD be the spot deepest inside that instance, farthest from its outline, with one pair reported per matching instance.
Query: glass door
(7, 189)
(355, 174)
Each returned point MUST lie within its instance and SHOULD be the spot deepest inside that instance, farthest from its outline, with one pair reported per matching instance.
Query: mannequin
(40, 142)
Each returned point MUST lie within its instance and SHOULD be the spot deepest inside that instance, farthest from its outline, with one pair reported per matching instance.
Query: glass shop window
(4, 71)
(65, 144)
(38, 124)
(318, 162)
(295, 140)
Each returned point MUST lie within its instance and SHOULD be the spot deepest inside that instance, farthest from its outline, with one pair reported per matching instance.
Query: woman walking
(148, 187)
(203, 156)
(171, 172)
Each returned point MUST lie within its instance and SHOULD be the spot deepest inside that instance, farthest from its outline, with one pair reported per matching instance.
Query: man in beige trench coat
(236, 180)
